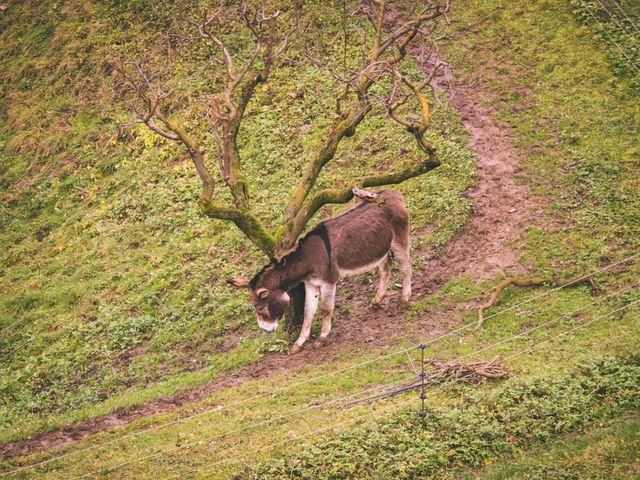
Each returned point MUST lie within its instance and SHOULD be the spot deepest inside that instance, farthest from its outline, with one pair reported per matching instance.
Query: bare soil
(487, 245)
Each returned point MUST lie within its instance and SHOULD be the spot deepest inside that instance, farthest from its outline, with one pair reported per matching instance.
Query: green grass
(609, 452)
(113, 282)
(115, 279)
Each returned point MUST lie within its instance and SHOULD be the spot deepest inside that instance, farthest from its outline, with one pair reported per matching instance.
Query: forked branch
(152, 98)
(227, 108)
(377, 64)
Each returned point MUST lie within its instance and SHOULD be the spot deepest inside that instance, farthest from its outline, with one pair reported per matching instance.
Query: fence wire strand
(610, 37)
(316, 378)
(338, 400)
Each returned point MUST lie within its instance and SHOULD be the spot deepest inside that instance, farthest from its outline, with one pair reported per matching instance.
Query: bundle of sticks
(473, 373)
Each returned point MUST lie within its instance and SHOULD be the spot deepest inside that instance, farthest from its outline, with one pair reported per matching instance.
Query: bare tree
(383, 51)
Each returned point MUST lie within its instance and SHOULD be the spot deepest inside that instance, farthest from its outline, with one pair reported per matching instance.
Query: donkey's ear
(262, 293)
(238, 282)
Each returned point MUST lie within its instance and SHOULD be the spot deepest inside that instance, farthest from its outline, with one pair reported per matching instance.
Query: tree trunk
(295, 313)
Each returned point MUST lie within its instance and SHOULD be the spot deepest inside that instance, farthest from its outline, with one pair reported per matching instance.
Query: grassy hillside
(111, 280)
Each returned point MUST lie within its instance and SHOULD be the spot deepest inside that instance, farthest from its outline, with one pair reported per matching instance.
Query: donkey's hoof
(295, 348)
(405, 303)
(376, 305)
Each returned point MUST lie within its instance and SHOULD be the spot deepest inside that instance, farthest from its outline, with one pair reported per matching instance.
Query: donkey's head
(270, 303)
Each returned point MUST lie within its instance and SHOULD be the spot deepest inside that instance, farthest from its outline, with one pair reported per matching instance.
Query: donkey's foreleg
(311, 295)
(328, 294)
(385, 273)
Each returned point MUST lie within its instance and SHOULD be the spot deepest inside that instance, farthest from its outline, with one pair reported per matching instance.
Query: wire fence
(604, 29)
(616, 20)
(316, 378)
(339, 400)
(619, 7)
(379, 412)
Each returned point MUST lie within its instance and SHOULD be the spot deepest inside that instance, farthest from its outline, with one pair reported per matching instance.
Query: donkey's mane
(319, 230)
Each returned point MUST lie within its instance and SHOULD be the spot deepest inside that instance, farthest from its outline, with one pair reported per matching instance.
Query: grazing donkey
(355, 242)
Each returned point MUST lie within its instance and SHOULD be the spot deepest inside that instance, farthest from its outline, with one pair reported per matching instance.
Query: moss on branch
(246, 221)
(344, 128)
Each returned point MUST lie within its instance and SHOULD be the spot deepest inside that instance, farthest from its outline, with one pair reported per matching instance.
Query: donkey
(359, 240)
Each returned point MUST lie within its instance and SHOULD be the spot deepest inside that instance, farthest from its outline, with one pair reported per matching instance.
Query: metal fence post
(422, 413)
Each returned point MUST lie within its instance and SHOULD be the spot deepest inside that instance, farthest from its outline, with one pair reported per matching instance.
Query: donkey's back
(362, 237)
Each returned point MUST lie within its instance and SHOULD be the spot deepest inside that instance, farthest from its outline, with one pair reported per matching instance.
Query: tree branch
(196, 156)
(361, 82)
(153, 98)
(246, 221)
(343, 128)
(343, 195)
(532, 282)
(226, 125)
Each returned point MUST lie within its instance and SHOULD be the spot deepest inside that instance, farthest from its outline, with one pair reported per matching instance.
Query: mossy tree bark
(226, 109)
(295, 313)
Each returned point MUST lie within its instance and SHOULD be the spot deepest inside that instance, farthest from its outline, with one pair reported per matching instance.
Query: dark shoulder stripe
(323, 233)
(319, 230)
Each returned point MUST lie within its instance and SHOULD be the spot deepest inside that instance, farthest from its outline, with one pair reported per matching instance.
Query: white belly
(363, 269)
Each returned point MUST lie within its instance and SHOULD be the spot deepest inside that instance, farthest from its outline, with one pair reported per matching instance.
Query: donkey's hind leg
(385, 274)
(327, 302)
(400, 249)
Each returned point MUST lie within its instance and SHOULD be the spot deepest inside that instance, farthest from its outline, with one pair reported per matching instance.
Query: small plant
(275, 346)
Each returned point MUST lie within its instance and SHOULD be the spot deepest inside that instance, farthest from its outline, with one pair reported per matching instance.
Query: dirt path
(502, 206)
(484, 248)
